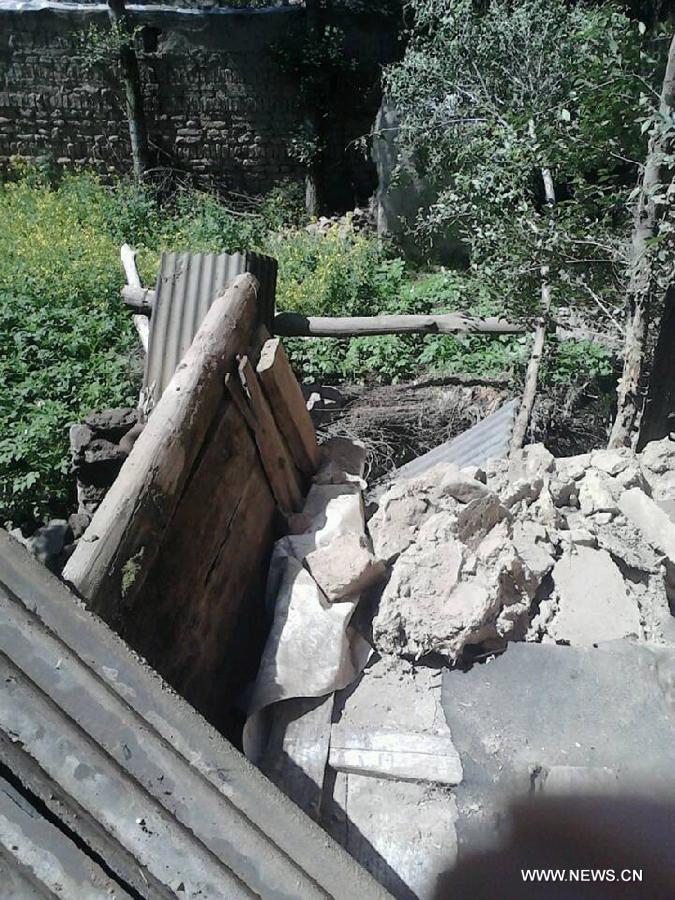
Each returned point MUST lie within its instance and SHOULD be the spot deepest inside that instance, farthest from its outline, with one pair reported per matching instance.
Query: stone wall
(218, 100)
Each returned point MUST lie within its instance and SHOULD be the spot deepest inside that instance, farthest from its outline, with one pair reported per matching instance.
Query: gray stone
(573, 466)
(593, 605)
(112, 423)
(79, 436)
(611, 462)
(659, 456)
(48, 542)
(597, 494)
(344, 567)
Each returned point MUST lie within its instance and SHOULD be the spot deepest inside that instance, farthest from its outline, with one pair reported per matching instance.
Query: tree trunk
(131, 76)
(313, 122)
(641, 284)
(532, 375)
(658, 419)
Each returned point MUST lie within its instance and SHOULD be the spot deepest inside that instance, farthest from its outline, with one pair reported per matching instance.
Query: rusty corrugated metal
(140, 797)
(187, 285)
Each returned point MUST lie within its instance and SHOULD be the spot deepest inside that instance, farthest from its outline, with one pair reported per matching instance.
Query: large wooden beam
(117, 550)
(295, 325)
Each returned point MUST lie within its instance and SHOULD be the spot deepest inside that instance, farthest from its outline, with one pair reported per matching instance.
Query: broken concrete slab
(593, 604)
(540, 706)
(597, 494)
(394, 754)
(403, 833)
(344, 567)
(653, 522)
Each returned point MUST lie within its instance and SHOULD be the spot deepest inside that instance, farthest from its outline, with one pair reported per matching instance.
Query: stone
(462, 486)
(78, 522)
(112, 423)
(478, 516)
(345, 567)
(532, 461)
(596, 494)
(342, 460)
(659, 456)
(583, 537)
(593, 605)
(611, 462)
(573, 466)
(79, 436)
(48, 542)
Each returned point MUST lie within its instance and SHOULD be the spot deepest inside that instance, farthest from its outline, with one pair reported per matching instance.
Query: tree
(131, 77)
(490, 99)
(651, 198)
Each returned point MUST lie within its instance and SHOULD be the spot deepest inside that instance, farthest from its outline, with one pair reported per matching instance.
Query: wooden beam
(275, 455)
(140, 299)
(288, 405)
(295, 325)
(116, 552)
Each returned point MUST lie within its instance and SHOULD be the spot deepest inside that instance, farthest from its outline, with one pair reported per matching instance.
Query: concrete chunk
(344, 567)
(593, 603)
(652, 521)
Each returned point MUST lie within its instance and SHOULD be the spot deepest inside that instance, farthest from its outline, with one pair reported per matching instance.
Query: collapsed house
(398, 659)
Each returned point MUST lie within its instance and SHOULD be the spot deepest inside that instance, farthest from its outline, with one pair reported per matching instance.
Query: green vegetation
(66, 341)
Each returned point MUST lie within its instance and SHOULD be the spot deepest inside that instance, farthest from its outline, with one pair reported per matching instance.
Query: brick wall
(217, 99)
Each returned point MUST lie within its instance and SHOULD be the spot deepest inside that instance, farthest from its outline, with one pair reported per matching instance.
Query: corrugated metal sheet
(137, 795)
(187, 285)
(489, 439)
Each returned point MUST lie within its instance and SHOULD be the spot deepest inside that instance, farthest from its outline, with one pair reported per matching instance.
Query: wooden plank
(288, 406)
(404, 756)
(276, 458)
(295, 325)
(112, 559)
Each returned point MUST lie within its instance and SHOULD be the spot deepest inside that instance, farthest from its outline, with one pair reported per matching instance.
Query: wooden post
(117, 550)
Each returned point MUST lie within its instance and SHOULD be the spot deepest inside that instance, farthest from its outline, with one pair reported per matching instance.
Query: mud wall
(221, 99)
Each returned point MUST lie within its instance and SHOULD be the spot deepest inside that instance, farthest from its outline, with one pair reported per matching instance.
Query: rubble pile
(575, 551)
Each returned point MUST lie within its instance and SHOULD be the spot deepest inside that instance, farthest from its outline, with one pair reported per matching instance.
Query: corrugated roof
(489, 439)
(137, 795)
(187, 285)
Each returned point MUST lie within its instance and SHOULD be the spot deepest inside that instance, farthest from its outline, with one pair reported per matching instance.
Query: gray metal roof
(113, 781)
(187, 285)
(489, 439)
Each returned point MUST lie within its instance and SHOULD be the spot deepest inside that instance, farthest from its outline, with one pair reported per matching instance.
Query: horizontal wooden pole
(295, 325)
(140, 299)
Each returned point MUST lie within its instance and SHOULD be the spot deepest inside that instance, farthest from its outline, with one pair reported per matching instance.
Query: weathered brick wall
(218, 101)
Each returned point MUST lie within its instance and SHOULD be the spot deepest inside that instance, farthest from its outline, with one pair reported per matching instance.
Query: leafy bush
(66, 341)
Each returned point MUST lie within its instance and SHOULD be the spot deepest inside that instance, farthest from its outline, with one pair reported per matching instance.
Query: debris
(593, 604)
(345, 566)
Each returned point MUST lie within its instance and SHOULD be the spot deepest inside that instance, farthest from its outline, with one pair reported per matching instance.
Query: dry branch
(139, 299)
